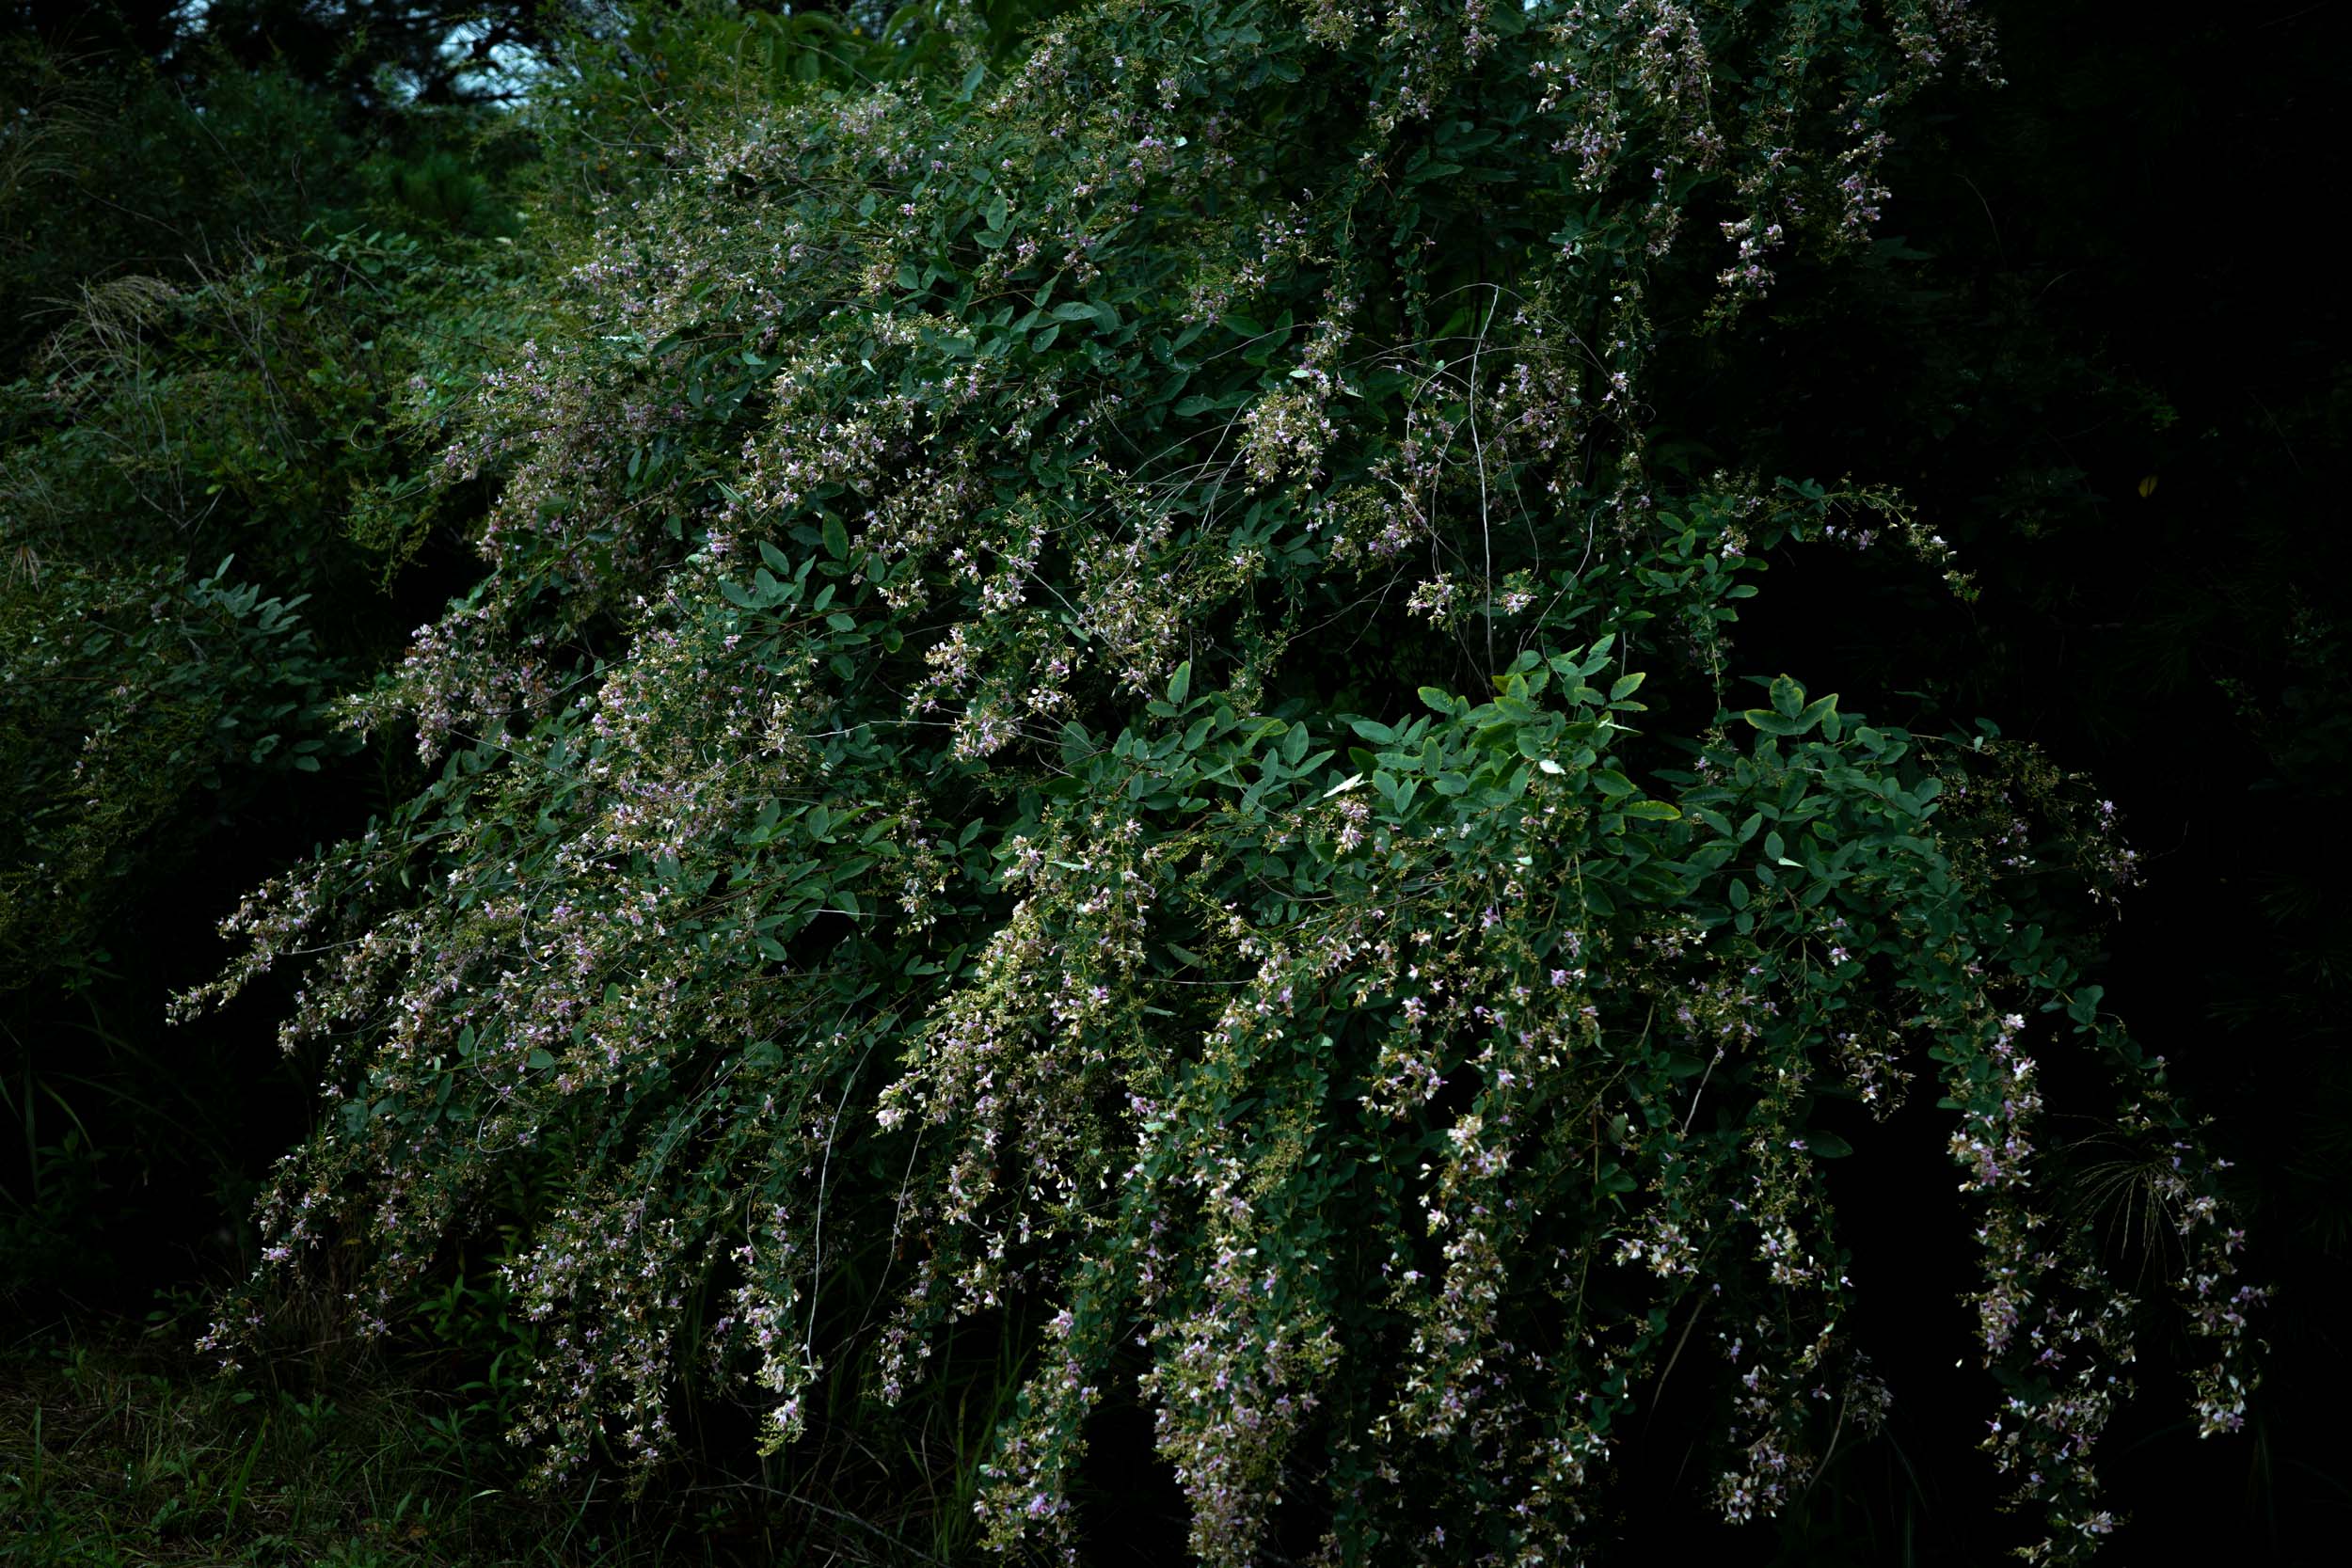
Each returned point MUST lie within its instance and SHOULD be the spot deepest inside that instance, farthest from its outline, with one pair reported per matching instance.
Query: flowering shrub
(1088, 693)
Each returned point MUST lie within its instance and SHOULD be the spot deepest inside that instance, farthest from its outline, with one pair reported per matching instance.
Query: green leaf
(837, 539)
(1654, 811)
(1770, 722)
(1627, 686)
(1179, 684)
(1788, 697)
(1611, 782)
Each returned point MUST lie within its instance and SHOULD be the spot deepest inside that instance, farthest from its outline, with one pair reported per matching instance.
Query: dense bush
(220, 281)
(1100, 706)
(245, 414)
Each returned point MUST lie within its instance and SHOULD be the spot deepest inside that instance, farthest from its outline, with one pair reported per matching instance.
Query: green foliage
(210, 364)
(125, 699)
(1050, 743)
(178, 410)
(143, 698)
(2135, 448)
(112, 170)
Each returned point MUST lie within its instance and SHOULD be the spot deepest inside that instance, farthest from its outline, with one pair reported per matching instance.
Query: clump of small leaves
(1088, 699)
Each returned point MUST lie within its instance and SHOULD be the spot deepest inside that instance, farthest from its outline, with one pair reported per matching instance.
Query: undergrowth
(116, 1448)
